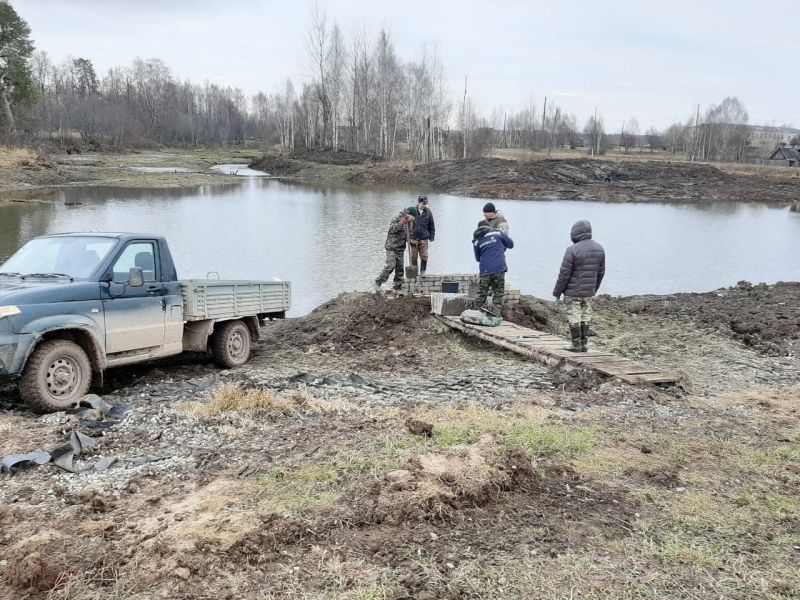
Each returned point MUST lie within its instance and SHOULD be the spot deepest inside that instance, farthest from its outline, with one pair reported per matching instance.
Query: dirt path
(366, 452)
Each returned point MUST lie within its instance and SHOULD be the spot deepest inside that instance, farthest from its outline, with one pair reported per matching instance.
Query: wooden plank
(622, 369)
(657, 378)
(540, 342)
(600, 358)
(548, 348)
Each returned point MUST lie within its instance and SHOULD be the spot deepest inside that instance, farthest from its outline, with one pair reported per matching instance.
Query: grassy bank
(26, 174)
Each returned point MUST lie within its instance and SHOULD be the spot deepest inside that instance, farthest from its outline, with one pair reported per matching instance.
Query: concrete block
(448, 305)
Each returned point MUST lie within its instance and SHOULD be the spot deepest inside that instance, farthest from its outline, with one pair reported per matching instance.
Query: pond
(327, 240)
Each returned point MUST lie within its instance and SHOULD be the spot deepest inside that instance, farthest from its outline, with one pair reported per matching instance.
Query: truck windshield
(75, 256)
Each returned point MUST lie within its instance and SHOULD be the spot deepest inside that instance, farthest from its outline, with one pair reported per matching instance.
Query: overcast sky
(655, 61)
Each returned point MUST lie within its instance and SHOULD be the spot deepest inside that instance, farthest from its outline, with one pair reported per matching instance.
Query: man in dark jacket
(490, 251)
(494, 218)
(422, 234)
(581, 274)
(396, 240)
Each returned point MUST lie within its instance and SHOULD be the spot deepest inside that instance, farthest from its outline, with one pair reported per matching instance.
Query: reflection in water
(330, 239)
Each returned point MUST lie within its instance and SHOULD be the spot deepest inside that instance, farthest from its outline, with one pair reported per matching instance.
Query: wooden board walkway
(550, 349)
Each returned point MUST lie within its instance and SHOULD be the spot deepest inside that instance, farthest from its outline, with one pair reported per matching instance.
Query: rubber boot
(423, 266)
(575, 336)
(584, 337)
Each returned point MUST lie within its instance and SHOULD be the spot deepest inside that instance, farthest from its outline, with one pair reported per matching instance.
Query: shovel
(411, 271)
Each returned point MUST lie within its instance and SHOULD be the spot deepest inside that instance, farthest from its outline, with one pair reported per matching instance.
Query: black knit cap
(489, 207)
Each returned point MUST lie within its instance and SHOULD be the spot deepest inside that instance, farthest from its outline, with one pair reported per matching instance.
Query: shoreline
(607, 179)
(36, 176)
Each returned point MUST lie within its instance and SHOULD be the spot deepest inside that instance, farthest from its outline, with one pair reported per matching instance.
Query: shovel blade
(412, 272)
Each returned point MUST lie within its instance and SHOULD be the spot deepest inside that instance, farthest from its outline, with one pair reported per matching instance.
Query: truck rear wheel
(57, 376)
(230, 344)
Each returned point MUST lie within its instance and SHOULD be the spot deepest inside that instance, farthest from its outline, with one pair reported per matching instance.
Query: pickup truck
(73, 305)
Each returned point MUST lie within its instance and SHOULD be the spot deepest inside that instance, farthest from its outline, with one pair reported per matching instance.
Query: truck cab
(73, 305)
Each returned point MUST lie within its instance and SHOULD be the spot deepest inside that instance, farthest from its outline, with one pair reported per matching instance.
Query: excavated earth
(367, 451)
(570, 179)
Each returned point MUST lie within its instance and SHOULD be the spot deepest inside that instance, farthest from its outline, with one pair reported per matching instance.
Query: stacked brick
(425, 285)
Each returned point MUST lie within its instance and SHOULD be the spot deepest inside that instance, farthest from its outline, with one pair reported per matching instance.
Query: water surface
(327, 240)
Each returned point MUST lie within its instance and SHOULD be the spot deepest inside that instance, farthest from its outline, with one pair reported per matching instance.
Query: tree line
(360, 96)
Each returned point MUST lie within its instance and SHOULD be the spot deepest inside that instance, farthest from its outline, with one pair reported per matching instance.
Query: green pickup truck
(73, 305)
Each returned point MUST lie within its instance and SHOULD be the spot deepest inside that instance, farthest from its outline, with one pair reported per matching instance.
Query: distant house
(785, 157)
(764, 136)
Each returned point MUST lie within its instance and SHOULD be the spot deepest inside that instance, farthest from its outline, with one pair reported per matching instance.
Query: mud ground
(30, 175)
(368, 452)
(605, 179)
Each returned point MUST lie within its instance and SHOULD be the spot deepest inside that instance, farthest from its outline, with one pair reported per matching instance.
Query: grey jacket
(584, 264)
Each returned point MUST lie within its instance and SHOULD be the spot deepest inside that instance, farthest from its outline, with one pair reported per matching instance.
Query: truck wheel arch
(253, 326)
(83, 338)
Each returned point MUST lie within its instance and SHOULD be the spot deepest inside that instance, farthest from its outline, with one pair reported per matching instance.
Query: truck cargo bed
(213, 299)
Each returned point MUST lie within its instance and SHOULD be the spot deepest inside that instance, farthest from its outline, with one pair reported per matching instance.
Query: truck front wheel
(57, 376)
(230, 344)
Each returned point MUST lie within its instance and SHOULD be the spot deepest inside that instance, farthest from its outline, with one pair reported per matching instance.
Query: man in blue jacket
(490, 251)
(422, 235)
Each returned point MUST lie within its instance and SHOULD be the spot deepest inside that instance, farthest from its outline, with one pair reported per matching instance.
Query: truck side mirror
(136, 277)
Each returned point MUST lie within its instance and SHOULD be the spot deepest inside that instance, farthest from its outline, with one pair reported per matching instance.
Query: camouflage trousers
(394, 262)
(493, 284)
(420, 250)
(579, 310)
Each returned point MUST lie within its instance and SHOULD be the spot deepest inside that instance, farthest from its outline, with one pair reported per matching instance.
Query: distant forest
(361, 96)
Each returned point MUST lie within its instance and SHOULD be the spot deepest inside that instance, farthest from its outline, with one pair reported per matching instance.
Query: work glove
(414, 243)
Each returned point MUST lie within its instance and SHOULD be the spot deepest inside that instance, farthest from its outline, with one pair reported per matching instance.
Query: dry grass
(760, 170)
(525, 154)
(234, 399)
(777, 401)
(16, 157)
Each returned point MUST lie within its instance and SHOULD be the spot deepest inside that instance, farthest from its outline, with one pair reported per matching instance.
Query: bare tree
(594, 130)
(318, 47)
(630, 132)
(336, 59)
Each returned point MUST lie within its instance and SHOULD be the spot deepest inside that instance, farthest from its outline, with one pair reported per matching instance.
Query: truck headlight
(9, 311)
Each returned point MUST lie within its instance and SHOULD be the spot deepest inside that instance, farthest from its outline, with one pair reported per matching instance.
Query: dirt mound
(358, 321)
(588, 179)
(297, 160)
(436, 486)
(37, 562)
(334, 157)
(574, 172)
(537, 314)
(764, 317)
(276, 165)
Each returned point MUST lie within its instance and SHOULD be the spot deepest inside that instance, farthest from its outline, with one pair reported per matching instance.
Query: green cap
(412, 210)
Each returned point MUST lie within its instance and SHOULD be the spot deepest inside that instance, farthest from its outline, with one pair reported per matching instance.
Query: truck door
(135, 316)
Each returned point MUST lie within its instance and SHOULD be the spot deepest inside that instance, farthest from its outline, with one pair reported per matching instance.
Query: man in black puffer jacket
(581, 274)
